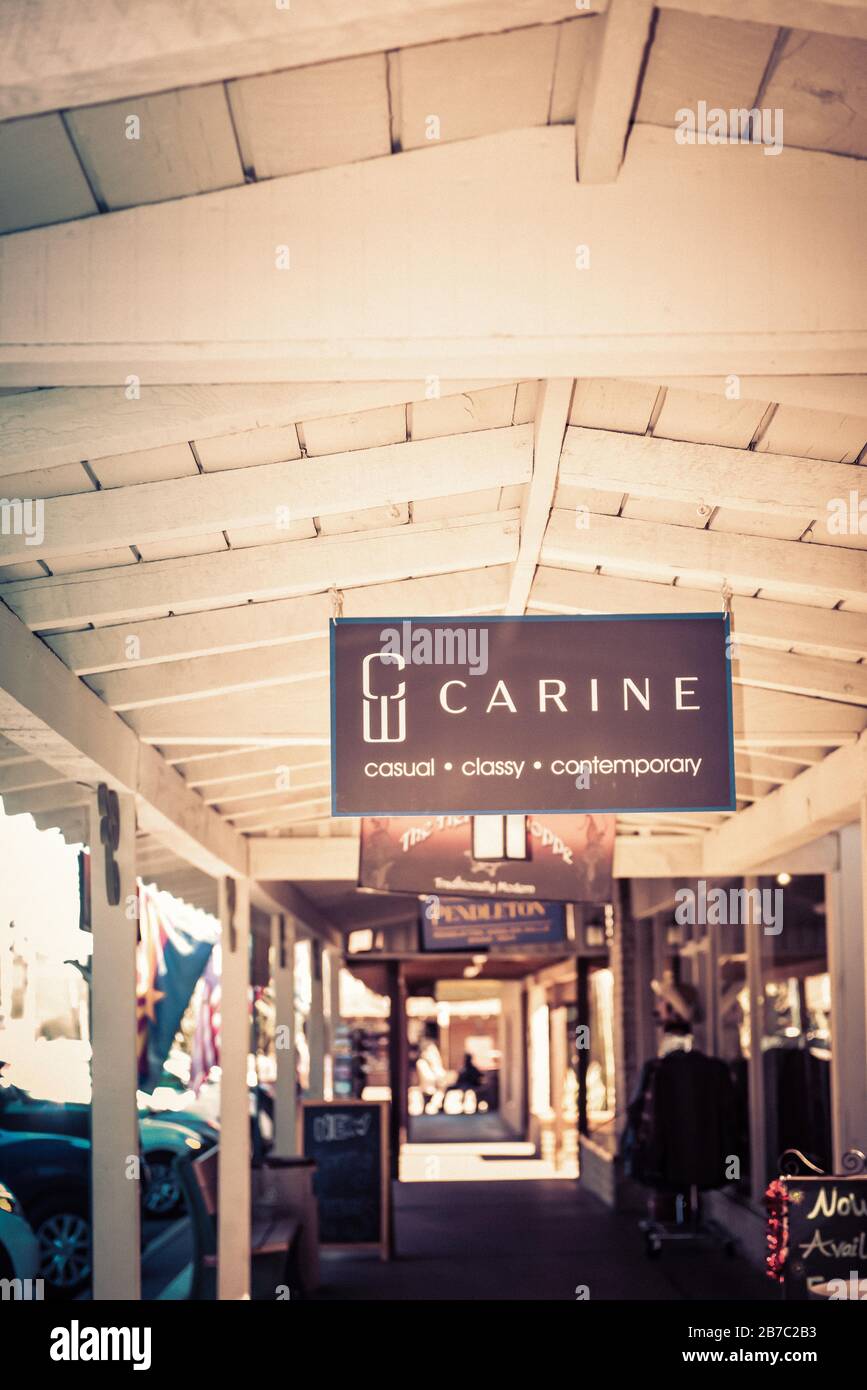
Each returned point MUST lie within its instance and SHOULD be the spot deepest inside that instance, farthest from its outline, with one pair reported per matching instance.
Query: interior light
(784, 880)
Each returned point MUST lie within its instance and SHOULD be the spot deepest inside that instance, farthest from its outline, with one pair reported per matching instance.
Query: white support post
(332, 985)
(316, 1024)
(845, 904)
(285, 1088)
(233, 1221)
(115, 1184)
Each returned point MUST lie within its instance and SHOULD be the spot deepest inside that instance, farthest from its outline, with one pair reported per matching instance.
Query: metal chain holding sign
(109, 834)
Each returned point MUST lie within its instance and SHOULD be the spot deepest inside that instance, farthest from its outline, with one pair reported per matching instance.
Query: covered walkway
(527, 1240)
(431, 310)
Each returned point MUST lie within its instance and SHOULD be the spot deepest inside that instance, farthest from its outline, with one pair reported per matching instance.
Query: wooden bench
(272, 1233)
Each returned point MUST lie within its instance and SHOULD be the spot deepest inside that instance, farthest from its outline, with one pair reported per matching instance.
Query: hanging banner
(543, 714)
(470, 924)
(569, 858)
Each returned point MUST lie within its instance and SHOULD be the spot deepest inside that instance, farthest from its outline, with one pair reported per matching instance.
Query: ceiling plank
(275, 493)
(703, 475)
(47, 429)
(267, 571)
(847, 18)
(145, 686)
(22, 775)
(280, 621)
(61, 797)
(841, 395)
(802, 675)
(815, 573)
(552, 414)
(824, 631)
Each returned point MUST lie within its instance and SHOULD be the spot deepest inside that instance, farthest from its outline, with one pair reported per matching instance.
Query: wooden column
(755, 1065)
(233, 1234)
(316, 1024)
(845, 916)
(285, 1086)
(331, 986)
(645, 1033)
(115, 1184)
(398, 1063)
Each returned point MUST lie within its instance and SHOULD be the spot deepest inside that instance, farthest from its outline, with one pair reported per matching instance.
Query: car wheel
(161, 1195)
(62, 1233)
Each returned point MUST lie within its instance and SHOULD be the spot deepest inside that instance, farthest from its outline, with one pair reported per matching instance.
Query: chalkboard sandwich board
(348, 1140)
(818, 1229)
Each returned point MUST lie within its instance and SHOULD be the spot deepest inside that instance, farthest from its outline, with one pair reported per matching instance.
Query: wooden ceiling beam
(552, 416)
(96, 301)
(829, 632)
(812, 573)
(259, 625)
(48, 429)
(704, 475)
(845, 18)
(274, 494)
(286, 569)
(608, 89)
(55, 56)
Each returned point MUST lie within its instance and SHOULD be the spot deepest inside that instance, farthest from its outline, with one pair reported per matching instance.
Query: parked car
(19, 1250)
(161, 1194)
(50, 1175)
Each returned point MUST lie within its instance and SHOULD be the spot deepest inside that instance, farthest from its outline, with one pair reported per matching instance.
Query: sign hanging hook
(727, 595)
(336, 596)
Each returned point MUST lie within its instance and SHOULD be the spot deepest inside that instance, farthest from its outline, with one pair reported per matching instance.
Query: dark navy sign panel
(469, 924)
(534, 714)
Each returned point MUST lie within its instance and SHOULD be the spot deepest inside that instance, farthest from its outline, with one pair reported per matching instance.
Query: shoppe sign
(535, 714)
(568, 859)
(476, 924)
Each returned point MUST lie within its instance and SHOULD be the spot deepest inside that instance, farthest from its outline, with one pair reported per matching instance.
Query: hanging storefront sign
(470, 924)
(543, 714)
(568, 858)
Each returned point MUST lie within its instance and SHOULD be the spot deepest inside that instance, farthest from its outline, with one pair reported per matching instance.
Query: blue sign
(475, 924)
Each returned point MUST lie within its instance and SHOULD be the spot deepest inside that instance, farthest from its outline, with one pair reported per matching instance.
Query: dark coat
(681, 1127)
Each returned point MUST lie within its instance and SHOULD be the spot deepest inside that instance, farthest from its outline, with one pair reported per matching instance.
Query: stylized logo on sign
(383, 703)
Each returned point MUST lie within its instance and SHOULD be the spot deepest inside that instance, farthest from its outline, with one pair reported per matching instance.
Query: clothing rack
(687, 1227)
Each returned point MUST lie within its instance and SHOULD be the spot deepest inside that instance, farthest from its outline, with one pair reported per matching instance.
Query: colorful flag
(175, 945)
(206, 1037)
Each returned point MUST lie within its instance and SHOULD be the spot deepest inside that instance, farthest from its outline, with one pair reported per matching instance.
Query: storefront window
(796, 1021)
(600, 1065)
(733, 1032)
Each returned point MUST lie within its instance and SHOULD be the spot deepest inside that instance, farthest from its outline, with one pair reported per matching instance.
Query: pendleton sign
(467, 924)
(534, 714)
